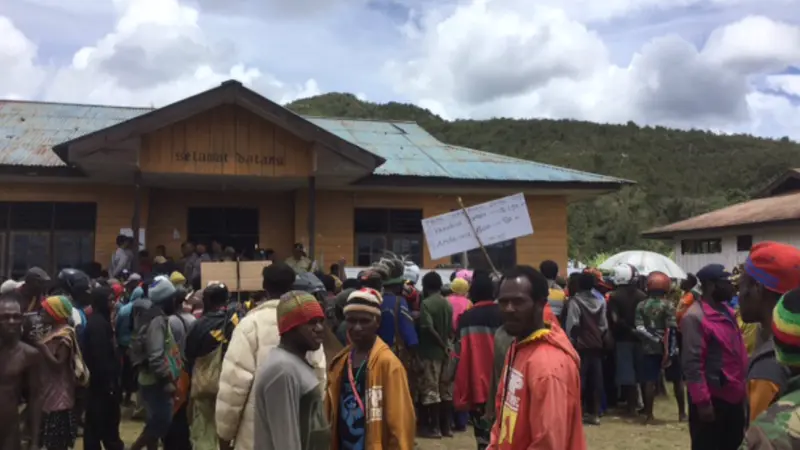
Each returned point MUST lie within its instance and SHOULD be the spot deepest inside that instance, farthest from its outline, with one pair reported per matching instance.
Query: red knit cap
(774, 265)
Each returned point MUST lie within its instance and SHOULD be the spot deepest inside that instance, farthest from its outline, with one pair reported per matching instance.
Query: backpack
(206, 373)
(207, 369)
(172, 355)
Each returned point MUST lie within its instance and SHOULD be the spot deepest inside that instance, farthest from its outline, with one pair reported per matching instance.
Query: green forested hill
(679, 173)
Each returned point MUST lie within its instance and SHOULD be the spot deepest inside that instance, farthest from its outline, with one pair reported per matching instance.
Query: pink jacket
(714, 356)
(460, 304)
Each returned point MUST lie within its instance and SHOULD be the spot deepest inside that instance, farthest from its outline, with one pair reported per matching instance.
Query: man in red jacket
(476, 330)
(539, 399)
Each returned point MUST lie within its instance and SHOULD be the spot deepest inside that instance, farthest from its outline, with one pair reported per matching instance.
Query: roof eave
(417, 181)
(660, 233)
(41, 171)
(767, 190)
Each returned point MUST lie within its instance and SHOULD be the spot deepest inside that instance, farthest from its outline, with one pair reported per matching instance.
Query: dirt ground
(614, 433)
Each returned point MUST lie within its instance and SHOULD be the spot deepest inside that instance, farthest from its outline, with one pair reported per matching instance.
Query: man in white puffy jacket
(253, 339)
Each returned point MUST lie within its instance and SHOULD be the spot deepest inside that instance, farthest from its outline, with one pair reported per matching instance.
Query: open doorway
(232, 227)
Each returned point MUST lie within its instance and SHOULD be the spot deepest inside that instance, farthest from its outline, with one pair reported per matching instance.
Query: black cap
(712, 272)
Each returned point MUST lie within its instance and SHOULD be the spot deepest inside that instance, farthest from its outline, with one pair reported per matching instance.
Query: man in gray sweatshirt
(288, 397)
(587, 326)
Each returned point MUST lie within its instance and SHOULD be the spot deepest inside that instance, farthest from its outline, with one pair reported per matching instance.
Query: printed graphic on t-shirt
(508, 422)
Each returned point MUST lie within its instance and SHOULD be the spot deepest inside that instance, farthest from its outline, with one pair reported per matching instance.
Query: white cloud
(19, 76)
(505, 57)
(157, 53)
(754, 45)
(684, 63)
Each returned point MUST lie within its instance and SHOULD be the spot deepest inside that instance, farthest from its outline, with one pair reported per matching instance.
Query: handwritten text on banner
(495, 221)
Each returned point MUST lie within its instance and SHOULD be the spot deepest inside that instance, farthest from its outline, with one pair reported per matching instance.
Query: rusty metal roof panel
(760, 211)
(29, 130)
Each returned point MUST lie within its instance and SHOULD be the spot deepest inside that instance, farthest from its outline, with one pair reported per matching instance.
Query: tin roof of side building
(29, 131)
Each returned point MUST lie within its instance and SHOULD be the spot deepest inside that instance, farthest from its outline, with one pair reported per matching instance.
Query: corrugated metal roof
(763, 210)
(29, 130)
(409, 150)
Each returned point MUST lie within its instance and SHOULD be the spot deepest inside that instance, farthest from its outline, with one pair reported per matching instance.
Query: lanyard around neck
(353, 379)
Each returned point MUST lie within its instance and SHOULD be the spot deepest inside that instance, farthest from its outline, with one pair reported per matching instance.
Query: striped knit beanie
(58, 307)
(786, 329)
(296, 308)
(366, 300)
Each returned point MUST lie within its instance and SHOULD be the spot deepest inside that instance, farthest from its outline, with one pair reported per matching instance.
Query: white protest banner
(495, 221)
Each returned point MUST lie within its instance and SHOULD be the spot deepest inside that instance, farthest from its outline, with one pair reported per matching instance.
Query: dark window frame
(744, 242)
(58, 221)
(223, 215)
(390, 225)
(701, 246)
(477, 260)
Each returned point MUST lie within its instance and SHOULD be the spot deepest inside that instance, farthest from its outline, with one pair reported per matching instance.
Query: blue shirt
(386, 330)
(352, 424)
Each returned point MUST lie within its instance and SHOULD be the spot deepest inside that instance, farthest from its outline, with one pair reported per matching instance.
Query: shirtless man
(20, 366)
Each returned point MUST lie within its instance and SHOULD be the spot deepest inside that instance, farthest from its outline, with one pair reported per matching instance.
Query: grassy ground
(613, 433)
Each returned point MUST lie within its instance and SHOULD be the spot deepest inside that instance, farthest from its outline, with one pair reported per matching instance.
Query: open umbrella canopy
(645, 262)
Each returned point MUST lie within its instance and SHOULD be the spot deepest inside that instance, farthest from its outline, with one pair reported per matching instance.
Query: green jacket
(502, 342)
(779, 426)
(436, 315)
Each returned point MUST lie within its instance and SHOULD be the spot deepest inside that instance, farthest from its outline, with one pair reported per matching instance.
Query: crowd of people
(319, 361)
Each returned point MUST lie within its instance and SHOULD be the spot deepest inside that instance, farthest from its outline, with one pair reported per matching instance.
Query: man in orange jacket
(368, 402)
(539, 395)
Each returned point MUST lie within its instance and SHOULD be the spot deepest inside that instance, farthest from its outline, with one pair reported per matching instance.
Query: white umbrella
(645, 262)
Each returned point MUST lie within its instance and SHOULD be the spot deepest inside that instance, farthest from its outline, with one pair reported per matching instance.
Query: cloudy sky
(725, 65)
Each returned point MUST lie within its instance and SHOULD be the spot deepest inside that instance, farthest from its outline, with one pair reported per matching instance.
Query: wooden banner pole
(478, 238)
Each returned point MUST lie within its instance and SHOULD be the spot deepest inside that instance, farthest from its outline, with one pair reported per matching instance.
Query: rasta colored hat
(776, 266)
(366, 300)
(297, 308)
(58, 307)
(786, 329)
(459, 286)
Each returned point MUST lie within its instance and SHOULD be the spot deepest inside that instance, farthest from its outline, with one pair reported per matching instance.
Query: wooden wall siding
(227, 140)
(114, 208)
(169, 211)
(335, 236)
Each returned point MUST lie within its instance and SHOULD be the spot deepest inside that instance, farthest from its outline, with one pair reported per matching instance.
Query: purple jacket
(714, 356)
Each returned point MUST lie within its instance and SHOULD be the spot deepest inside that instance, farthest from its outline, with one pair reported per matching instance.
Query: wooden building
(724, 236)
(230, 164)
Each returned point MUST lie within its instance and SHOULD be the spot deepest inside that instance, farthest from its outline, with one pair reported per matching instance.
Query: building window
(378, 230)
(232, 227)
(502, 254)
(45, 234)
(701, 246)
(744, 243)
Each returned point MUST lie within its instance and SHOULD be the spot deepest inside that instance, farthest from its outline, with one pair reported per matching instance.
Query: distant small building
(725, 236)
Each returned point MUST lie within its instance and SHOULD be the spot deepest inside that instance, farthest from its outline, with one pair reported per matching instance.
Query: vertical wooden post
(312, 216)
(136, 219)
